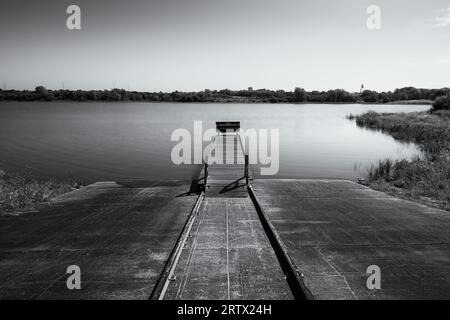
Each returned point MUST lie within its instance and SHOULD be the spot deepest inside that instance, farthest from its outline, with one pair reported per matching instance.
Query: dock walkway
(225, 172)
(227, 254)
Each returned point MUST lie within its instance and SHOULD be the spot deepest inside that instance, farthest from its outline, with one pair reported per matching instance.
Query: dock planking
(226, 171)
(228, 256)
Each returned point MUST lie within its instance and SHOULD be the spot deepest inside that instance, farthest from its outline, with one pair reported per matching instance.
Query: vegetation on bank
(22, 193)
(228, 96)
(426, 178)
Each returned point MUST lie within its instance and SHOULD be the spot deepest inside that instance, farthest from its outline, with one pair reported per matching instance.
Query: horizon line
(4, 88)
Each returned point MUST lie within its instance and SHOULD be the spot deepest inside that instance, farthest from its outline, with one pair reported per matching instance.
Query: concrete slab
(119, 234)
(335, 229)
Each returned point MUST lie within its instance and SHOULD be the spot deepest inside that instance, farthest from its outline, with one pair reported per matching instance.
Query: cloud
(443, 20)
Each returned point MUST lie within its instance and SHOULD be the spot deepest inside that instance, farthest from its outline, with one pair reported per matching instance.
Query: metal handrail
(246, 169)
(206, 174)
(246, 172)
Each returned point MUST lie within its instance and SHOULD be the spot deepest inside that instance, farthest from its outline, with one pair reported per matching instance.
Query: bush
(442, 103)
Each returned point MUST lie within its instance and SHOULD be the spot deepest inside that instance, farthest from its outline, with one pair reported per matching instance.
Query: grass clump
(22, 193)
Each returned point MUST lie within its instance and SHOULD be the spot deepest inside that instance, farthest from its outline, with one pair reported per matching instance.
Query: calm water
(106, 141)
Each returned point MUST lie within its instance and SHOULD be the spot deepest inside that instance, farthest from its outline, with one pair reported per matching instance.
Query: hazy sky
(196, 44)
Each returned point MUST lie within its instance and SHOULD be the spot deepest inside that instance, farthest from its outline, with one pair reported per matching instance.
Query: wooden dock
(227, 256)
(226, 253)
(227, 178)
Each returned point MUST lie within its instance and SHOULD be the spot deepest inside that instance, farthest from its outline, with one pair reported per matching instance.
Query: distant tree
(385, 97)
(41, 90)
(435, 93)
(49, 97)
(226, 92)
(92, 95)
(369, 96)
(300, 94)
(412, 93)
(44, 94)
(343, 96)
(442, 103)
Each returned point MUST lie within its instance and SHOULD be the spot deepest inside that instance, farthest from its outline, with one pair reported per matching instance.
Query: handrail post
(246, 169)
(206, 175)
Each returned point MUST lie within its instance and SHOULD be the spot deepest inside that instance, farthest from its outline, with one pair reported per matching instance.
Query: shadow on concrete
(232, 186)
(194, 188)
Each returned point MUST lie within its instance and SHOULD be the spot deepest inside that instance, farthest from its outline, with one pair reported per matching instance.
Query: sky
(192, 45)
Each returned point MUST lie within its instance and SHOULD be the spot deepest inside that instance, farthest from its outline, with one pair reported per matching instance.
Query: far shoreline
(406, 95)
(393, 103)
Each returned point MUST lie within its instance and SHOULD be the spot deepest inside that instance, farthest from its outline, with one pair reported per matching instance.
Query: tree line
(227, 96)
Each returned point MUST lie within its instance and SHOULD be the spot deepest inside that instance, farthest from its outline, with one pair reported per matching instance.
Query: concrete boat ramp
(136, 240)
(226, 236)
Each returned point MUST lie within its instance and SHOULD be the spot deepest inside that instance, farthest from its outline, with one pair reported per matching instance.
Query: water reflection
(107, 141)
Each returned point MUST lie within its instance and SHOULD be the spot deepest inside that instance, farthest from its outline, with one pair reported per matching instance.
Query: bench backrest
(227, 126)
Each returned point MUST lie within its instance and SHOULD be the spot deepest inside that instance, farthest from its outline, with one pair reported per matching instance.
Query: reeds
(19, 193)
(424, 177)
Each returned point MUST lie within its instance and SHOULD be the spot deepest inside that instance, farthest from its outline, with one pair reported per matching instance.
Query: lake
(90, 142)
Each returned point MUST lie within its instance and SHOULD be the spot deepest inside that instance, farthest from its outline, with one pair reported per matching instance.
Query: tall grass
(430, 130)
(19, 193)
(427, 177)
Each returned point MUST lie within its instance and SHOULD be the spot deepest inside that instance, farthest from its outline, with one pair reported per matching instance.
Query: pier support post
(246, 169)
(206, 175)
